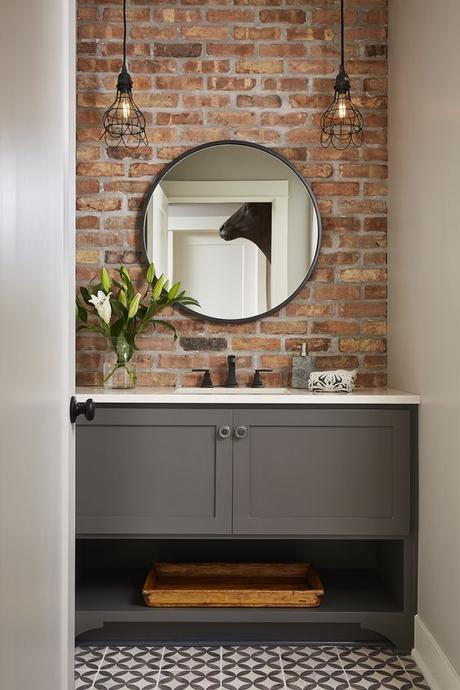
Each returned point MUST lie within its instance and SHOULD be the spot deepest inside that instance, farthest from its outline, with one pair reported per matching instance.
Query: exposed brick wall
(259, 70)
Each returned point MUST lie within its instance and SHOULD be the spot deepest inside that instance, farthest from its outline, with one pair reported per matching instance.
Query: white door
(36, 363)
(216, 272)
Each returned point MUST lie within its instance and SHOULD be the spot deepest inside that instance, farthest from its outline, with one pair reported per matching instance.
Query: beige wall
(424, 280)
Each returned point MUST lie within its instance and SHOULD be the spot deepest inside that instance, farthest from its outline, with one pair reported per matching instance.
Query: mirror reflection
(236, 225)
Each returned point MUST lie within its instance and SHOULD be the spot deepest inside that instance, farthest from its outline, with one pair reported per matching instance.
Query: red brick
(375, 292)
(335, 327)
(177, 49)
(158, 33)
(253, 343)
(232, 119)
(285, 84)
(309, 310)
(375, 361)
(156, 378)
(100, 169)
(243, 101)
(259, 66)
(336, 188)
(100, 30)
(174, 361)
(248, 33)
(229, 16)
(313, 66)
(179, 83)
(175, 16)
(337, 292)
(357, 309)
(287, 120)
(314, 344)
(282, 16)
(224, 49)
(282, 50)
(362, 345)
(325, 362)
(231, 83)
(283, 327)
(363, 275)
(310, 170)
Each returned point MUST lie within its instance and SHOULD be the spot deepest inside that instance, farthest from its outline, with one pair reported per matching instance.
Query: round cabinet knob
(224, 431)
(86, 408)
(241, 431)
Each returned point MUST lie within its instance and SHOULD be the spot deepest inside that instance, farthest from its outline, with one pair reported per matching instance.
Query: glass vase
(120, 371)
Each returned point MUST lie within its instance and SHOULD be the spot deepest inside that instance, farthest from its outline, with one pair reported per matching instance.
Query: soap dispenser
(302, 367)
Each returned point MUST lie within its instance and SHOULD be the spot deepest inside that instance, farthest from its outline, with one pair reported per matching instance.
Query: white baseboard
(431, 660)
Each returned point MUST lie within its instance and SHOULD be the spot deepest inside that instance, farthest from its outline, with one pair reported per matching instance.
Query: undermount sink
(191, 390)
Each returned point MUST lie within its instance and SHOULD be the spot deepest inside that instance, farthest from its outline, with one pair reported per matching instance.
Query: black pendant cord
(342, 123)
(342, 40)
(124, 35)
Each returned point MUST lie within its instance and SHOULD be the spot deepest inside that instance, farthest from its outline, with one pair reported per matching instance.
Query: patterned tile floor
(245, 668)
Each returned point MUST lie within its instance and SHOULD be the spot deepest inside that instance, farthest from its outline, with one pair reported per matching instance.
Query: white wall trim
(431, 660)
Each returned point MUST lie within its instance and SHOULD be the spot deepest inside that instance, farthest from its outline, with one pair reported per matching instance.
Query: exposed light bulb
(125, 108)
(342, 109)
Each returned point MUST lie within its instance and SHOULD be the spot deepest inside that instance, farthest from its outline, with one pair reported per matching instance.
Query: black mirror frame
(280, 157)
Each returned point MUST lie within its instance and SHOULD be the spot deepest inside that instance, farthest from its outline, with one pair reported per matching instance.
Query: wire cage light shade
(124, 124)
(342, 124)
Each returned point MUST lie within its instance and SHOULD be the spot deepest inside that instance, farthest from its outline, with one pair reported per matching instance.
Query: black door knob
(88, 408)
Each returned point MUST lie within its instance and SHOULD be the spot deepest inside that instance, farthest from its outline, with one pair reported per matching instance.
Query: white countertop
(246, 396)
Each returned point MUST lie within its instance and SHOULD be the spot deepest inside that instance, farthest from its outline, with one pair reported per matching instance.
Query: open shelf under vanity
(363, 581)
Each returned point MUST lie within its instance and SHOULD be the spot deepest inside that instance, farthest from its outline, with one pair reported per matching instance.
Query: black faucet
(231, 376)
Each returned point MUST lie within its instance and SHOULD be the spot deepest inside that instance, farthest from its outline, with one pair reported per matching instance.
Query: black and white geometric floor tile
(245, 668)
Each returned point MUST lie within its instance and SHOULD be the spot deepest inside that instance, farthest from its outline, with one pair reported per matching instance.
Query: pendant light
(124, 124)
(342, 123)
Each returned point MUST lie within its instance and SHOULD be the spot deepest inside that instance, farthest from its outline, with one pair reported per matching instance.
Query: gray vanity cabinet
(154, 471)
(322, 471)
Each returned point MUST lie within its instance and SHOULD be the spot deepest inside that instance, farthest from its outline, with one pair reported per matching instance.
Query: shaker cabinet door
(322, 471)
(154, 471)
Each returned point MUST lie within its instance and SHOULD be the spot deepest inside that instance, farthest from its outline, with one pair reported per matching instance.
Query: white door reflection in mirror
(236, 225)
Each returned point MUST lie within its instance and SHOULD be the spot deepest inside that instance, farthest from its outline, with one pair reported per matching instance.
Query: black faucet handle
(231, 375)
(257, 382)
(207, 381)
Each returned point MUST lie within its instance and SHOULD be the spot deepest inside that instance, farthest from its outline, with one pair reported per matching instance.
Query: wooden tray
(233, 584)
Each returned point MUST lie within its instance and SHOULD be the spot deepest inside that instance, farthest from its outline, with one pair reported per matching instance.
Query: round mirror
(237, 225)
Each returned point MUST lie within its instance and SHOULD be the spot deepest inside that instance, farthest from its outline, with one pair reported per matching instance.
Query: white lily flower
(101, 303)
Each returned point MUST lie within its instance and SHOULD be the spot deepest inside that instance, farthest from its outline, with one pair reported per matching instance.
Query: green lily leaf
(117, 328)
(85, 294)
(119, 309)
(82, 314)
(166, 324)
